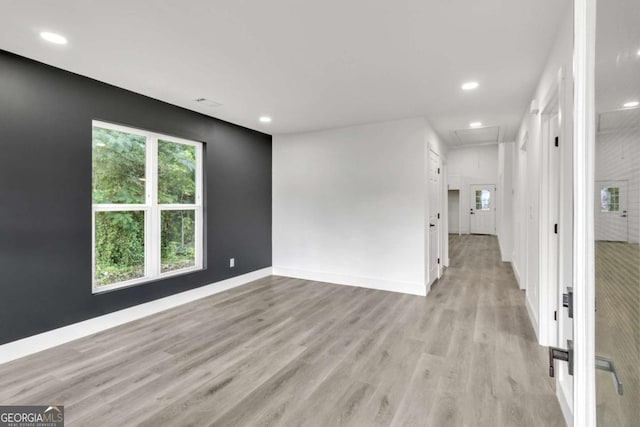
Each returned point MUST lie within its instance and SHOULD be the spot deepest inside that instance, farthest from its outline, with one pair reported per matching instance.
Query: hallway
(285, 351)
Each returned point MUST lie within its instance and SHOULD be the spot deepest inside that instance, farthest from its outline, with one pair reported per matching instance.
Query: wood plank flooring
(290, 352)
(618, 331)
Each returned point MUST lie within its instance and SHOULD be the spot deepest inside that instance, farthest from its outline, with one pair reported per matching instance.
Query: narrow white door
(611, 211)
(482, 210)
(434, 221)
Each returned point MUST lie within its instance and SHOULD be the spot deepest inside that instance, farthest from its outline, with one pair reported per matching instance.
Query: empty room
(356, 213)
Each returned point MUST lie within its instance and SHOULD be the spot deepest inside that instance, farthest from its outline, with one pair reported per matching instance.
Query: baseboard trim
(506, 257)
(36, 343)
(516, 273)
(411, 288)
(564, 405)
(532, 317)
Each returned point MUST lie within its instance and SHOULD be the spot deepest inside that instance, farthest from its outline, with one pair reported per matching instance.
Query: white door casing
(482, 209)
(433, 220)
(584, 127)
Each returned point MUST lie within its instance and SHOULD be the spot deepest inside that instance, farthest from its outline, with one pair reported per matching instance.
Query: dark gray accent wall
(45, 195)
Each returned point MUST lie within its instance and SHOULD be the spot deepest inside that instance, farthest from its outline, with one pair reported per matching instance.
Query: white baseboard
(413, 288)
(505, 256)
(564, 405)
(35, 343)
(516, 273)
(532, 317)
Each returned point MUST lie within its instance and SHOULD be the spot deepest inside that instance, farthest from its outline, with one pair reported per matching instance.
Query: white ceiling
(617, 55)
(307, 64)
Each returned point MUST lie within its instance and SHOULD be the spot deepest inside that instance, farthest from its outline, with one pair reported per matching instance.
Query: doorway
(482, 209)
(454, 212)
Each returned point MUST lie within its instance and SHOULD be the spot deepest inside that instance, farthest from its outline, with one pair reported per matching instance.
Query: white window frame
(152, 210)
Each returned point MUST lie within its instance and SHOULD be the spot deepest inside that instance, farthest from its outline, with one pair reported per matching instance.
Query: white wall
(618, 158)
(471, 165)
(349, 205)
(454, 211)
(504, 219)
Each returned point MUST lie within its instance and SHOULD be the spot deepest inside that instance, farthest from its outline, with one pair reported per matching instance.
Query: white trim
(36, 343)
(532, 317)
(516, 273)
(413, 288)
(564, 405)
(584, 384)
(548, 214)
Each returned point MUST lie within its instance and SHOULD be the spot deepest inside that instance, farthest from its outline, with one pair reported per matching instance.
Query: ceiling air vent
(619, 119)
(483, 135)
(208, 103)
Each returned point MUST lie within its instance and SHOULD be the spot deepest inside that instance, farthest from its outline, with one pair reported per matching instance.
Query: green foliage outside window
(119, 177)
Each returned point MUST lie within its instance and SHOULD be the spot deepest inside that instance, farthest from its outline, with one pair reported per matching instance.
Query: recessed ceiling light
(475, 124)
(265, 119)
(53, 37)
(470, 85)
(638, 52)
(631, 104)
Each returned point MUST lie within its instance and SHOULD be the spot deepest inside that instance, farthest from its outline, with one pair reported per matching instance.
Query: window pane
(610, 199)
(483, 200)
(118, 167)
(177, 240)
(119, 246)
(176, 173)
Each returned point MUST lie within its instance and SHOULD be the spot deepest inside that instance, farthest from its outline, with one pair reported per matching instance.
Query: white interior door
(611, 215)
(482, 209)
(434, 221)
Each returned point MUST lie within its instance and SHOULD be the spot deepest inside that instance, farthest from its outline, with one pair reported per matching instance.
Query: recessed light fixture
(631, 104)
(265, 119)
(470, 85)
(53, 37)
(638, 52)
(475, 124)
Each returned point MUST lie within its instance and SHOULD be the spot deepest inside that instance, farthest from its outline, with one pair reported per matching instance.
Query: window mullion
(153, 255)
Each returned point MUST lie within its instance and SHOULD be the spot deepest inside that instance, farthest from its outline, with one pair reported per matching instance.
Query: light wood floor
(618, 331)
(291, 352)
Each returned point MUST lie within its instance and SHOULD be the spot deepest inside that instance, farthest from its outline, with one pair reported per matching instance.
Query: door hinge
(555, 228)
(555, 315)
(567, 301)
(557, 141)
(561, 354)
(438, 215)
(438, 260)
(438, 171)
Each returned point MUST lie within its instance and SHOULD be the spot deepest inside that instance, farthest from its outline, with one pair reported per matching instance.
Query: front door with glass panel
(482, 212)
(611, 216)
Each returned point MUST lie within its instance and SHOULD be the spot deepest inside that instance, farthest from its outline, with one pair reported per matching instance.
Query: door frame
(549, 265)
(584, 126)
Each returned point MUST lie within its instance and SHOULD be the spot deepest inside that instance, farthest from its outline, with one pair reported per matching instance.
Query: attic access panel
(478, 136)
(618, 119)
